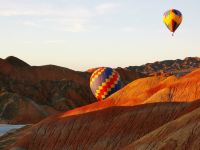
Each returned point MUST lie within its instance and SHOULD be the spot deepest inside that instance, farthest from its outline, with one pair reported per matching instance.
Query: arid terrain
(158, 107)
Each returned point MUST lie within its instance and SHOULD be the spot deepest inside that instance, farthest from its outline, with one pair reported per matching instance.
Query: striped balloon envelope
(104, 82)
(172, 19)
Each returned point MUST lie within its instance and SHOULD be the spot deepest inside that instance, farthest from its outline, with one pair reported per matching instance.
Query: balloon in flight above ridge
(104, 82)
(172, 19)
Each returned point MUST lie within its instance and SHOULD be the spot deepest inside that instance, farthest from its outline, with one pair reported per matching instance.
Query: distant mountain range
(177, 67)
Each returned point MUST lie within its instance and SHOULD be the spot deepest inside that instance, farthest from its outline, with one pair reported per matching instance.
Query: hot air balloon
(104, 82)
(172, 19)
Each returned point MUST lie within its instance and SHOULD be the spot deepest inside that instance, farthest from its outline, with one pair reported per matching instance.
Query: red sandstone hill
(44, 90)
(121, 122)
(111, 128)
(19, 70)
(182, 133)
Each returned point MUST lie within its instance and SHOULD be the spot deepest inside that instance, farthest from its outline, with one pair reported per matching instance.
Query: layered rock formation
(182, 133)
(120, 123)
(112, 128)
(43, 90)
(47, 97)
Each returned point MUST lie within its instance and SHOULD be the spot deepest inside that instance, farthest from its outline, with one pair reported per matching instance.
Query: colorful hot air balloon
(104, 82)
(172, 19)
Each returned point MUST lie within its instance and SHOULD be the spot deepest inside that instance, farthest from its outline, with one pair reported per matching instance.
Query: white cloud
(11, 13)
(68, 24)
(40, 12)
(54, 41)
(128, 29)
(65, 18)
(30, 24)
(69, 20)
(27, 42)
(107, 8)
(76, 27)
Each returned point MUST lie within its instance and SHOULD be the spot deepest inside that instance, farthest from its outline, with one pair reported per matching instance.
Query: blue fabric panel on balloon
(116, 87)
(176, 12)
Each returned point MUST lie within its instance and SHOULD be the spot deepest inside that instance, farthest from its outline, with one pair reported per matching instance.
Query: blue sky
(81, 34)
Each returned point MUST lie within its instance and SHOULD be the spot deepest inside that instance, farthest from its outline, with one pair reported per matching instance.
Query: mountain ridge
(175, 67)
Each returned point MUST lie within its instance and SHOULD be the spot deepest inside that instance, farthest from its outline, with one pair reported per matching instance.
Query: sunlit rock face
(119, 123)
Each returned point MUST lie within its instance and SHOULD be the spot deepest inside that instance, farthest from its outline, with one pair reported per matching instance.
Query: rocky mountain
(28, 93)
(31, 93)
(176, 67)
(14, 61)
(160, 112)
